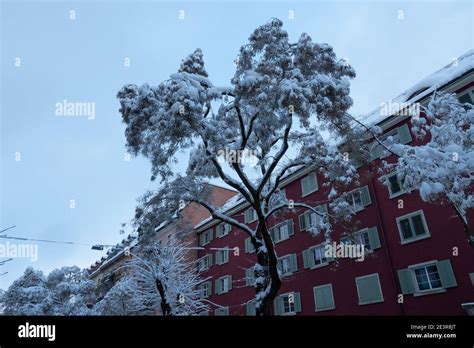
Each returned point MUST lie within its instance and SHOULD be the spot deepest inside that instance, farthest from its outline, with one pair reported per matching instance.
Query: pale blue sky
(81, 60)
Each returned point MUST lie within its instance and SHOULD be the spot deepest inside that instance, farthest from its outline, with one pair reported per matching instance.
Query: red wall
(446, 233)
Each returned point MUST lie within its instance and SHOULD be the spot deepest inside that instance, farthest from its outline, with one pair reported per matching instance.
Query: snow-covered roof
(428, 85)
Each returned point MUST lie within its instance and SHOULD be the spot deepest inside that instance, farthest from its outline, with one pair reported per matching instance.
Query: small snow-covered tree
(120, 300)
(442, 169)
(166, 279)
(66, 291)
(26, 295)
(285, 109)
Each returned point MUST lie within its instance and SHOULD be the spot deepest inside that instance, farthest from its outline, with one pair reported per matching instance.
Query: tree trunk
(268, 270)
(465, 224)
(165, 306)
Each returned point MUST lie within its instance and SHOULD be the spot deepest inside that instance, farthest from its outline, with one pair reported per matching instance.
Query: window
(426, 278)
(309, 184)
(223, 311)
(250, 215)
(368, 237)
(282, 231)
(204, 313)
(251, 308)
(287, 265)
(249, 248)
(287, 304)
(223, 284)
(205, 237)
(395, 187)
(205, 263)
(368, 289)
(400, 135)
(467, 97)
(412, 227)
(223, 230)
(222, 256)
(250, 276)
(309, 219)
(205, 289)
(323, 298)
(315, 257)
(358, 199)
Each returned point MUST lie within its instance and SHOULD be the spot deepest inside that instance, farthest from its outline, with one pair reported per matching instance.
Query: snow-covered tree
(166, 280)
(442, 168)
(121, 299)
(286, 108)
(66, 291)
(26, 295)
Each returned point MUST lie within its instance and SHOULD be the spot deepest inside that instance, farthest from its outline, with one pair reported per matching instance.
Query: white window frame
(277, 229)
(332, 295)
(319, 246)
(469, 91)
(389, 187)
(254, 215)
(351, 195)
(208, 240)
(419, 292)
(358, 233)
(226, 228)
(202, 287)
(415, 238)
(312, 174)
(380, 288)
(207, 257)
(223, 280)
(225, 254)
(287, 295)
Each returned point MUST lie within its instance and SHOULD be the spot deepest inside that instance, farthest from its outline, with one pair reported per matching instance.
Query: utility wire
(55, 241)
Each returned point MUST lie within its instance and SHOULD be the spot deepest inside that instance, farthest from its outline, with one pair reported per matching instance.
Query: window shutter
(249, 277)
(209, 287)
(209, 257)
(251, 308)
(303, 224)
(406, 281)
(218, 257)
(323, 208)
(218, 287)
(249, 246)
(307, 258)
(404, 134)
(273, 234)
(280, 266)
(278, 305)
(368, 289)
(201, 238)
(323, 297)
(291, 230)
(330, 258)
(304, 185)
(446, 274)
(297, 302)
(230, 281)
(293, 263)
(365, 196)
(374, 239)
(376, 151)
(218, 231)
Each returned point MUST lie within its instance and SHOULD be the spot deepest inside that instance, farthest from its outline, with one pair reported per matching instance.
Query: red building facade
(418, 260)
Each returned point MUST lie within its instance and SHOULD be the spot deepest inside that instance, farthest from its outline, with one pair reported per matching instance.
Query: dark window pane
(406, 230)
(394, 186)
(418, 225)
